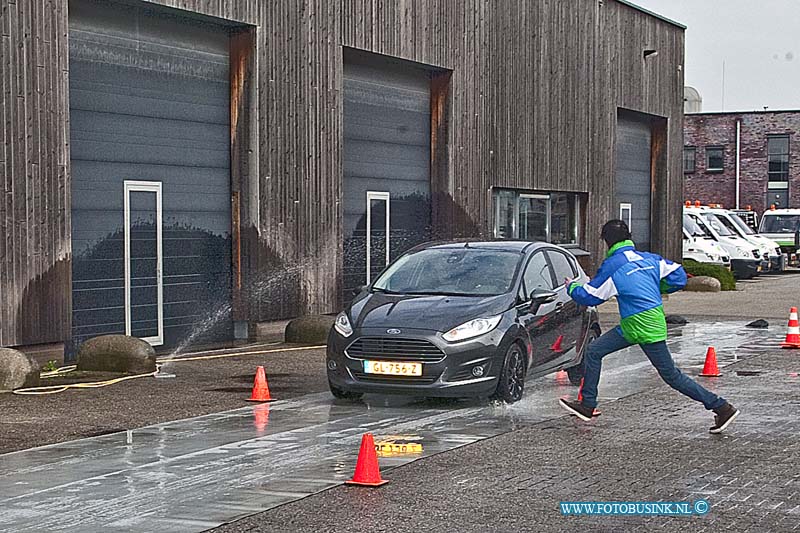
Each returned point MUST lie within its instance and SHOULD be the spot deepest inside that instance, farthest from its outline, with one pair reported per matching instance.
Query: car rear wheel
(512, 376)
(341, 394)
(575, 373)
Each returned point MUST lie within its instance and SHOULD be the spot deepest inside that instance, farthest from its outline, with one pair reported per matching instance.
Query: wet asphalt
(198, 388)
(649, 446)
(193, 474)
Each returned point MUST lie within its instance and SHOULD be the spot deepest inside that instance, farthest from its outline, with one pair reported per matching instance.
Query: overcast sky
(758, 40)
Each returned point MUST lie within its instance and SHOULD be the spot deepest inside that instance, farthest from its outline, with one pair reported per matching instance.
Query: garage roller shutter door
(149, 101)
(387, 136)
(633, 183)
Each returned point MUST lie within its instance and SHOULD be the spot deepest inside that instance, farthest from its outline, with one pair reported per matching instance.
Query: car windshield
(728, 223)
(451, 271)
(741, 224)
(716, 225)
(692, 227)
(780, 223)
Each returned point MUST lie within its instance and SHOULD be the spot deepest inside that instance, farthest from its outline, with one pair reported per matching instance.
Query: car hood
(438, 313)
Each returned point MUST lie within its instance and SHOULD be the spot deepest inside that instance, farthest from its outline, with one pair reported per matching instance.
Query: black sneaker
(577, 409)
(724, 417)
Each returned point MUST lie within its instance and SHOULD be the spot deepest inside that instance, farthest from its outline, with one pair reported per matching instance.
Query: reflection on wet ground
(195, 474)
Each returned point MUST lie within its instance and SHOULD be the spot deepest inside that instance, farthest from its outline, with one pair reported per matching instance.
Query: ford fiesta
(463, 319)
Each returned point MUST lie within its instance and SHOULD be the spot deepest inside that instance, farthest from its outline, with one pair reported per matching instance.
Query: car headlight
(342, 325)
(471, 329)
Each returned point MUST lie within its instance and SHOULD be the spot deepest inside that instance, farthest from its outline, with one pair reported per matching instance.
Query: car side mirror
(542, 296)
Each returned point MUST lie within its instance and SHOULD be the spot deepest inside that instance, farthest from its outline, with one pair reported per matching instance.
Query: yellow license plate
(393, 368)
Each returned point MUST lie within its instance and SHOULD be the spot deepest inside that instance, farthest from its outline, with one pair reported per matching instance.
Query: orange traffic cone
(710, 369)
(260, 388)
(556, 347)
(367, 471)
(793, 333)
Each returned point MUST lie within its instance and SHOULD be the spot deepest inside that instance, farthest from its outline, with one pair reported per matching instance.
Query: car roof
(509, 246)
(782, 212)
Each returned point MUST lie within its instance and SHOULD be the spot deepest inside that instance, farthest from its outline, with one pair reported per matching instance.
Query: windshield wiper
(442, 293)
(385, 291)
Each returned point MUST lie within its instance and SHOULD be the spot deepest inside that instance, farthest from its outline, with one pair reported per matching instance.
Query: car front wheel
(512, 376)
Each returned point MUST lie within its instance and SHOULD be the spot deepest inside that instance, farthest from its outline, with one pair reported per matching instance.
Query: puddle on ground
(194, 474)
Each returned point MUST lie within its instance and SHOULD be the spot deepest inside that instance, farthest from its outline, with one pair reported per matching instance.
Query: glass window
(715, 158)
(741, 224)
(692, 227)
(716, 225)
(778, 157)
(562, 265)
(533, 217)
(451, 271)
(537, 276)
(689, 154)
(780, 223)
(549, 217)
(728, 223)
(505, 217)
(563, 218)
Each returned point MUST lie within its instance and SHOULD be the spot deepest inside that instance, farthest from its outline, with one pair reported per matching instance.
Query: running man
(637, 279)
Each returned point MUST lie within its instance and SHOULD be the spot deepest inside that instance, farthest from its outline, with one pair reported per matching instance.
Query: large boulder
(17, 370)
(311, 329)
(117, 353)
(703, 284)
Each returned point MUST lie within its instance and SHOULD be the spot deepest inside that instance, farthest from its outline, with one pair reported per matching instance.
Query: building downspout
(738, 148)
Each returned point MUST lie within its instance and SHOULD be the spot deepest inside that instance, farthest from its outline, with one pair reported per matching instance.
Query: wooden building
(167, 163)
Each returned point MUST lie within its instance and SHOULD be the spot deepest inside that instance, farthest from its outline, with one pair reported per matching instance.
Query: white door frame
(374, 195)
(629, 207)
(155, 187)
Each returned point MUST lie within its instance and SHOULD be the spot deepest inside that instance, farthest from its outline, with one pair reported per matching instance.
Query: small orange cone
(367, 471)
(260, 388)
(793, 333)
(710, 369)
(556, 347)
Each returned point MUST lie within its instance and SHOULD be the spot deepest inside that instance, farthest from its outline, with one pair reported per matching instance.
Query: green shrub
(724, 275)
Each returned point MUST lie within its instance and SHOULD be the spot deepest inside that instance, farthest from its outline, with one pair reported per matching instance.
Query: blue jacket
(637, 279)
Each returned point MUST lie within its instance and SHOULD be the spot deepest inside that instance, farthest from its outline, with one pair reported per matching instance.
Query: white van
(745, 259)
(783, 226)
(770, 251)
(699, 246)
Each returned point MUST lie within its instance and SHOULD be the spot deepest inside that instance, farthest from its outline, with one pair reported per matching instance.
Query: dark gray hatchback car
(462, 319)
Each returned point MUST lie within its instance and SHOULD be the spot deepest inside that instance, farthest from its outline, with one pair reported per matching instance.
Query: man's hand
(567, 282)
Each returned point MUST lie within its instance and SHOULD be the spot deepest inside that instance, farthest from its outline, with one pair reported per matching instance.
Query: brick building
(767, 152)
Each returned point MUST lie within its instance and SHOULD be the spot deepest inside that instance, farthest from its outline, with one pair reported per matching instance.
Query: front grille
(395, 349)
(394, 380)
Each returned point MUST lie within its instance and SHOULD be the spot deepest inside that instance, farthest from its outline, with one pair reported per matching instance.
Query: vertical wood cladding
(531, 103)
(35, 206)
